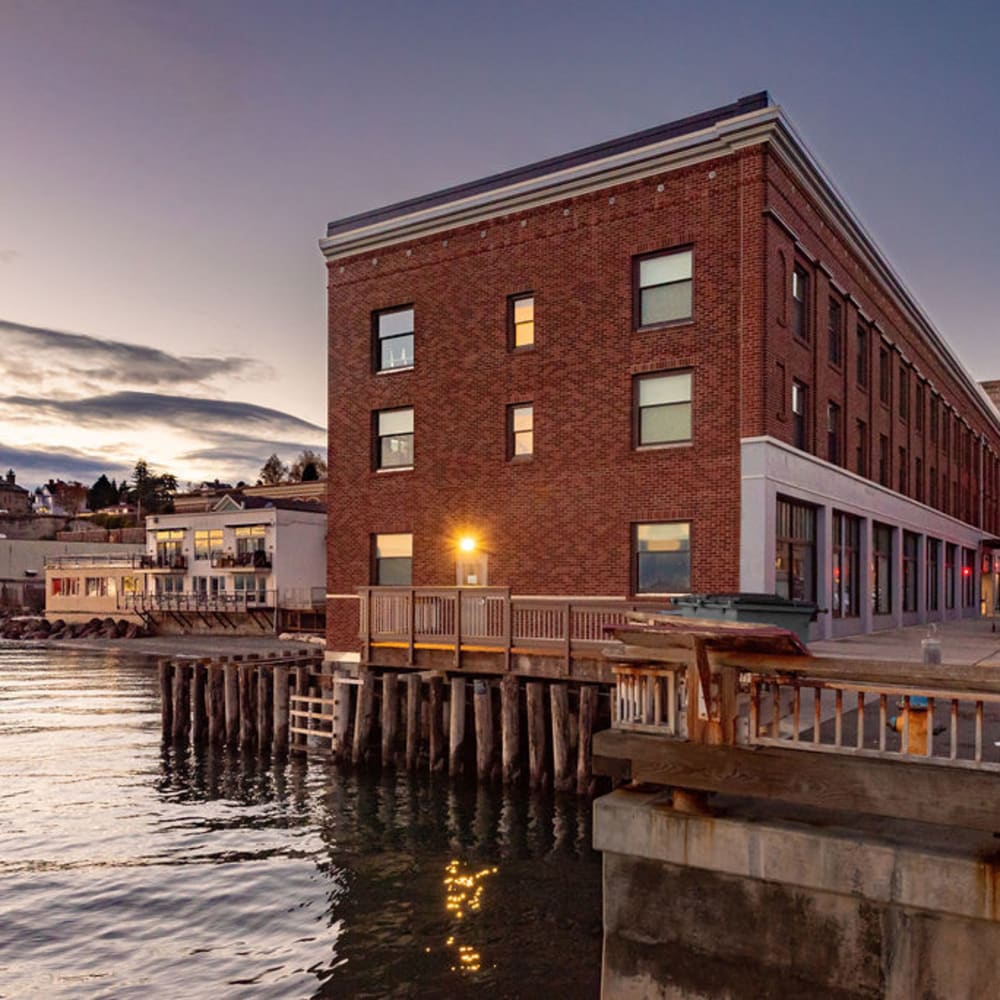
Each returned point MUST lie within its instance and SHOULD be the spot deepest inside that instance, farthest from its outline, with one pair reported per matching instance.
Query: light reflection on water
(132, 870)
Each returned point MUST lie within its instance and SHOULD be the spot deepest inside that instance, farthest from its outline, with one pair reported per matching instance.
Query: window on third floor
(394, 438)
(662, 408)
(800, 303)
(392, 335)
(663, 288)
(521, 321)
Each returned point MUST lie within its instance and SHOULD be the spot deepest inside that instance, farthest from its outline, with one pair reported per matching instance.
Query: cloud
(35, 466)
(191, 413)
(36, 354)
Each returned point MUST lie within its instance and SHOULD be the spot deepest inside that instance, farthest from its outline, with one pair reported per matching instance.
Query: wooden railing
(195, 603)
(487, 620)
(695, 712)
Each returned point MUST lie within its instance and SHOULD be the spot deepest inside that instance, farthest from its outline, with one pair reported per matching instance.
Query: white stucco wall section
(770, 468)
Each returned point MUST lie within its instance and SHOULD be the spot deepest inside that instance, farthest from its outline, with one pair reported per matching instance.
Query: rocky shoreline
(20, 626)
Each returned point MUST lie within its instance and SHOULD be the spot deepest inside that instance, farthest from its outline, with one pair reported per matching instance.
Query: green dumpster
(765, 609)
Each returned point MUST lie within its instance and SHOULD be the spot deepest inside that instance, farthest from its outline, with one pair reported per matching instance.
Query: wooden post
(584, 754)
(265, 706)
(435, 740)
(341, 718)
(182, 703)
(232, 697)
(559, 703)
(412, 720)
(199, 724)
(510, 727)
(390, 717)
(456, 726)
(536, 733)
(301, 689)
(483, 701)
(166, 671)
(364, 717)
(280, 700)
(248, 715)
(216, 703)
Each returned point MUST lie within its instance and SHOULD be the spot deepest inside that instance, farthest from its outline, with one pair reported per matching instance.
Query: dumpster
(765, 609)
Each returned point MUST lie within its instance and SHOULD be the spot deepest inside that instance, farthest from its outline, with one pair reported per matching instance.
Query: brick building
(671, 362)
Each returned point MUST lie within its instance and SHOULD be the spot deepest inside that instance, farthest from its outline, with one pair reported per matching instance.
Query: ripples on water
(130, 870)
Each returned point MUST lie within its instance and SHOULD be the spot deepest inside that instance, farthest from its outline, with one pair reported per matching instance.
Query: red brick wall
(560, 524)
(835, 269)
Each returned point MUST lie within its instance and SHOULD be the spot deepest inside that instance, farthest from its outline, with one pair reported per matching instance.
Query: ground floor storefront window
(795, 551)
(846, 565)
(882, 582)
(911, 543)
(933, 571)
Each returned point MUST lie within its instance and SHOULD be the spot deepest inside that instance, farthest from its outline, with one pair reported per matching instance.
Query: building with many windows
(671, 362)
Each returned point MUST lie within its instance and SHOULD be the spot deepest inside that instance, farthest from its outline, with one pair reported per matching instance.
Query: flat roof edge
(563, 161)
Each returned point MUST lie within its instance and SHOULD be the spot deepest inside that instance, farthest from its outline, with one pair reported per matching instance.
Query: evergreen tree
(308, 467)
(272, 472)
(102, 494)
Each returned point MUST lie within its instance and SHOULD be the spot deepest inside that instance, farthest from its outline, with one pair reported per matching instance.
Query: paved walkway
(966, 641)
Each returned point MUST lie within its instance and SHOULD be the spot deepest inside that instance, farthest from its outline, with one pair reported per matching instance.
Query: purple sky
(168, 167)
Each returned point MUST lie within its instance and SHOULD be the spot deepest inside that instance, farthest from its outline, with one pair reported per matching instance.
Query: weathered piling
(166, 672)
(585, 741)
(510, 729)
(483, 702)
(296, 702)
(412, 720)
(389, 717)
(535, 694)
(456, 725)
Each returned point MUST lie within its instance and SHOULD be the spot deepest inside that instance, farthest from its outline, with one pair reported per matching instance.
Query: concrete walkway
(196, 646)
(969, 641)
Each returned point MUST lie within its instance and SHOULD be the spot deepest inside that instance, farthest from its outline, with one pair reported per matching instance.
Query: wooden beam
(924, 793)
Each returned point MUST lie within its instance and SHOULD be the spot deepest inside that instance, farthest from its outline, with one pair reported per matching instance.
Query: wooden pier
(500, 729)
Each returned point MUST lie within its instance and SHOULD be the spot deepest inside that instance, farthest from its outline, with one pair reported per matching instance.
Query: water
(130, 870)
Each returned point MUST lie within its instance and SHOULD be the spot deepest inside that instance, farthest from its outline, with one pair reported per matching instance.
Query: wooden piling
(435, 739)
(412, 720)
(199, 708)
(248, 715)
(265, 706)
(341, 694)
(166, 671)
(300, 688)
(182, 703)
(364, 716)
(584, 750)
(279, 699)
(483, 702)
(562, 775)
(510, 728)
(216, 704)
(390, 717)
(456, 726)
(231, 673)
(535, 693)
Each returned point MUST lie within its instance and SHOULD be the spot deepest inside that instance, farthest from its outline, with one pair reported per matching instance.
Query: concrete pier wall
(765, 901)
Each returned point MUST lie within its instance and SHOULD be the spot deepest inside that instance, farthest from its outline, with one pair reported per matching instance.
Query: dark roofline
(565, 161)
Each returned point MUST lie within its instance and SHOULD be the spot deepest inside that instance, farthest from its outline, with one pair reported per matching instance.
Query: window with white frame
(663, 287)
(662, 408)
(392, 560)
(394, 438)
(393, 334)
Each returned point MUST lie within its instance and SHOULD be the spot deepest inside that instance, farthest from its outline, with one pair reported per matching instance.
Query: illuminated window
(663, 288)
(392, 556)
(662, 555)
(96, 586)
(520, 430)
(394, 439)
(662, 408)
(393, 336)
(521, 321)
(800, 303)
(207, 543)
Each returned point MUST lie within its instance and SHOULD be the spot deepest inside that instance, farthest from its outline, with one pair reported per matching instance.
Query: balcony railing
(241, 560)
(485, 620)
(95, 559)
(166, 562)
(195, 603)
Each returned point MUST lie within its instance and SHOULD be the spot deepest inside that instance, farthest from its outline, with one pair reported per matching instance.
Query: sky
(167, 168)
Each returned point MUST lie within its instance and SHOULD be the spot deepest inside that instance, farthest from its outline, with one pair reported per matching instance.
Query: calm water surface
(130, 870)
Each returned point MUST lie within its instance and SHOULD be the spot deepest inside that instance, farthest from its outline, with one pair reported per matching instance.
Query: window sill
(398, 468)
(668, 325)
(523, 349)
(666, 446)
(520, 459)
(394, 371)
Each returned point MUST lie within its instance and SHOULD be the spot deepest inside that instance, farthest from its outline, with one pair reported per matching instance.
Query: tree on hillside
(308, 467)
(151, 493)
(103, 493)
(272, 472)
